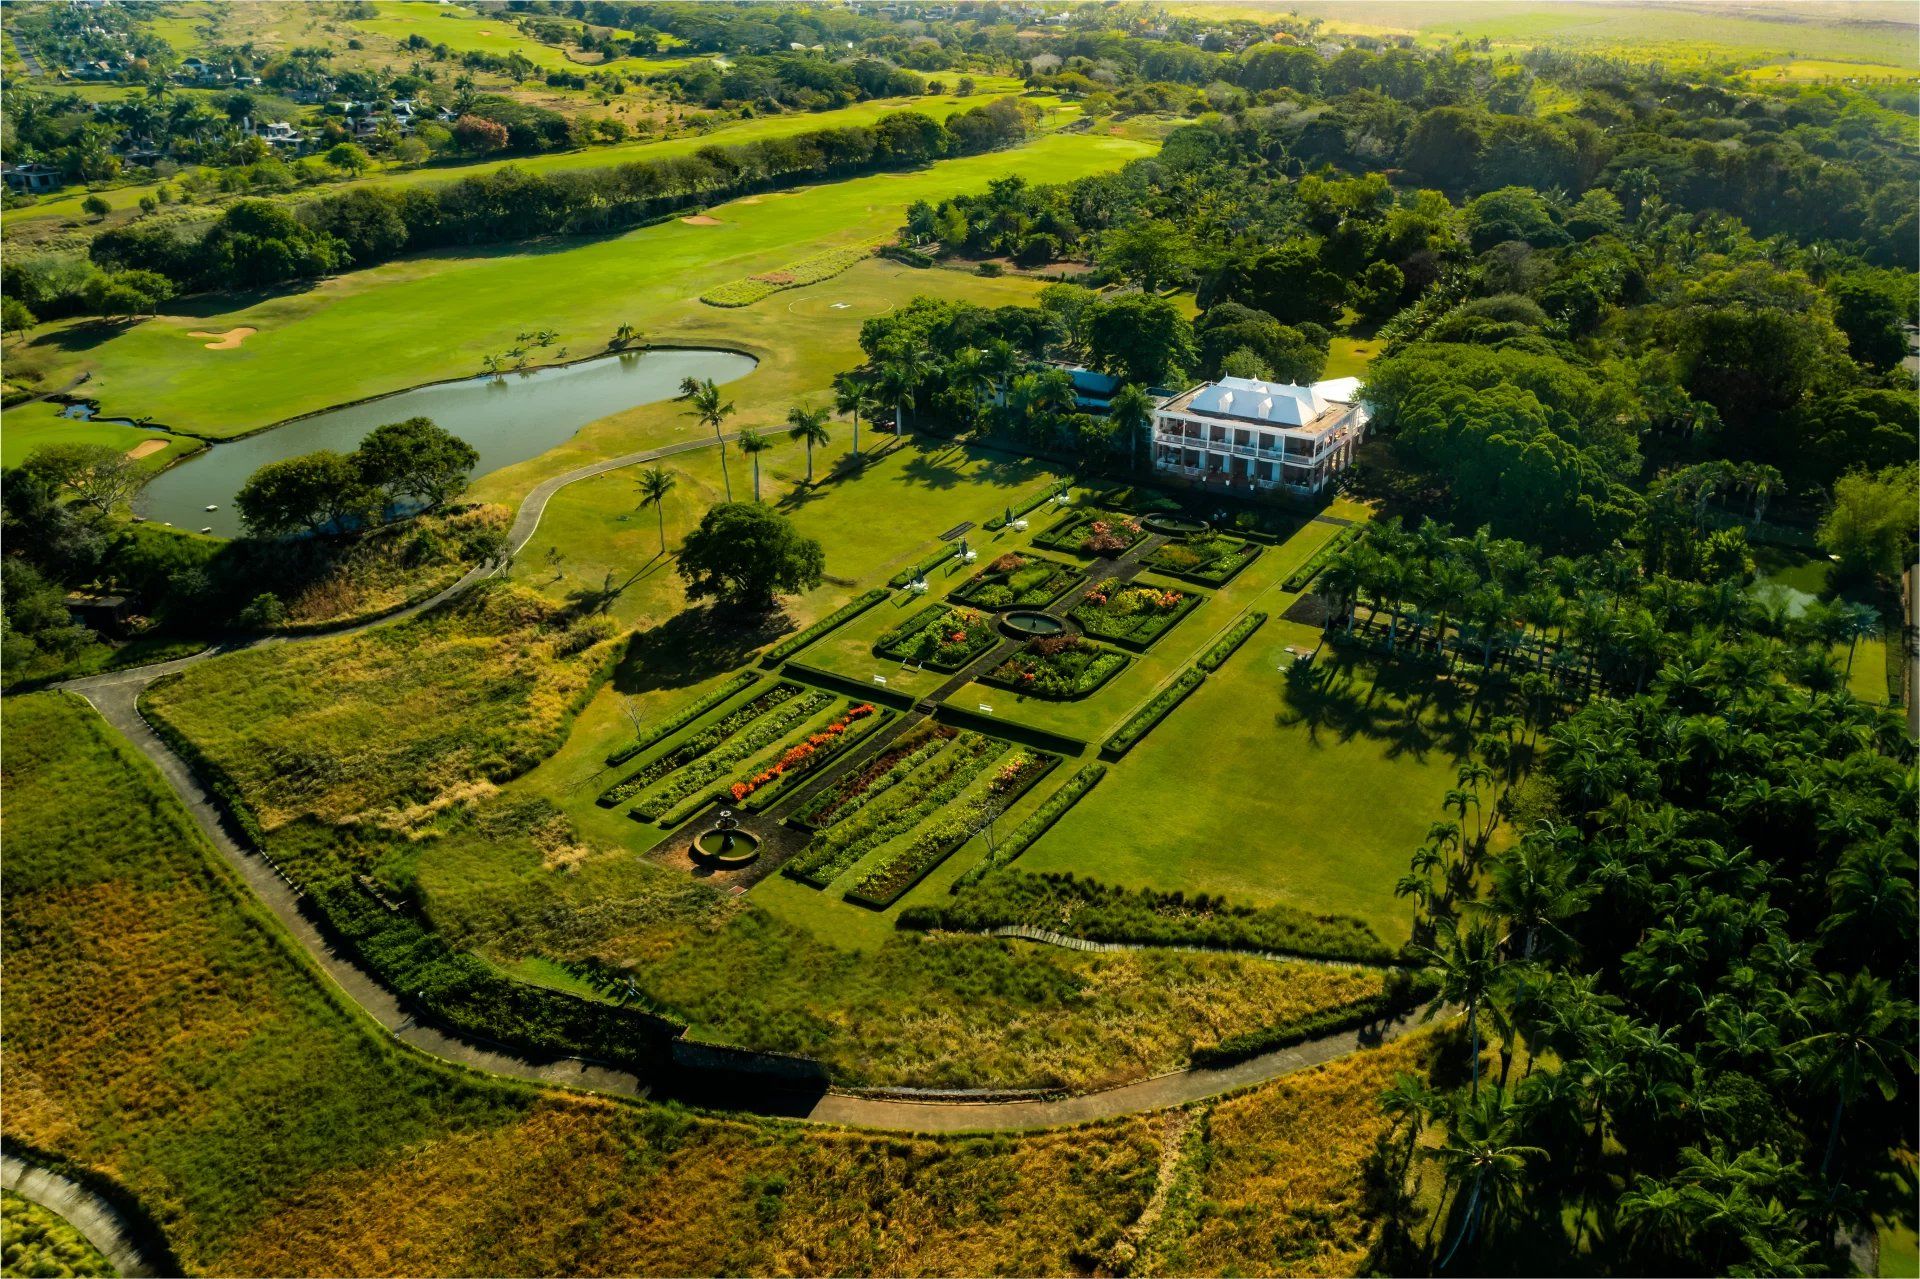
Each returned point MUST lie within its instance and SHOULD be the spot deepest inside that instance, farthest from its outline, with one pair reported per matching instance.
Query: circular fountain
(1174, 525)
(1026, 623)
(726, 844)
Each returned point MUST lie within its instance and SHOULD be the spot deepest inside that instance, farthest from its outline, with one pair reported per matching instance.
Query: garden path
(99, 1222)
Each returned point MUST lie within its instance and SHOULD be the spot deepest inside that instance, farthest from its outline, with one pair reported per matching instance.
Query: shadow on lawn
(1408, 709)
(694, 645)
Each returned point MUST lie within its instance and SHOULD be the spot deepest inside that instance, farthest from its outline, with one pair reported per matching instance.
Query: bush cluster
(939, 637)
(1061, 669)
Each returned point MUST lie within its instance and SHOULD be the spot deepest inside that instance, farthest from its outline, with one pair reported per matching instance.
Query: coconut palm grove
(1095, 637)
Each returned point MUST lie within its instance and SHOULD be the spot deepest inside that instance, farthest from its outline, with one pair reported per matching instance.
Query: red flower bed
(802, 756)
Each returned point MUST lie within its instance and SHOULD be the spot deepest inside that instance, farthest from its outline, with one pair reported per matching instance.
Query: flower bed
(1132, 616)
(1227, 645)
(694, 777)
(939, 637)
(800, 639)
(943, 779)
(755, 793)
(860, 787)
(1093, 533)
(1142, 721)
(1061, 669)
(1038, 823)
(1017, 581)
(937, 840)
(1212, 560)
(699, 744)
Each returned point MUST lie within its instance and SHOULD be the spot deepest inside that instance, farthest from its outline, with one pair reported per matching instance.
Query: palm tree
(1480, 1155)
(655, 483)
(753, 444)
(1132, 411)
(1414, 1102)
(711, 411)
(1468, 966)
(852, 394)
(493, 364)
(807, 426)
(1859, 621)
(895, 382)
(1867, 1041)
(969, 375)
(623, 337)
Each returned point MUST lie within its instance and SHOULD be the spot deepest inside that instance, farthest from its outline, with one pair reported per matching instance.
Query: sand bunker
(701, 219)
(146, 448)
(225, 341)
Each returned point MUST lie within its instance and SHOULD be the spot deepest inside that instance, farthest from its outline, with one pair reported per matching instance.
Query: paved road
(98, 1221)
(116, 696)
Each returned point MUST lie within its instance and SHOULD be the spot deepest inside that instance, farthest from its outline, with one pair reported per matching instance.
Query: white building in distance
(1252, 436)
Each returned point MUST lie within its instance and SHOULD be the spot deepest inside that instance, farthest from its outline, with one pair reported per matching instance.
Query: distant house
(1242, 433)
(1093, 391)
(279, 135)
(31, 179)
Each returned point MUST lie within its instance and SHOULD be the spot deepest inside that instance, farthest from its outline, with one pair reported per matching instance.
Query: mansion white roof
(1270, 403)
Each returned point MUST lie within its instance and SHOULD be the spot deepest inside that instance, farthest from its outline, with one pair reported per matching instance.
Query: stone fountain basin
(711, 846)
(1032, 624)
(1175, 525)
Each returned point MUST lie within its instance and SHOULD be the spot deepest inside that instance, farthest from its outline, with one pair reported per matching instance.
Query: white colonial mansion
(1239, 433)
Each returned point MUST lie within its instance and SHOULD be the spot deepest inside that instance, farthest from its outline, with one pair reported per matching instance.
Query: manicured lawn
(366, 332)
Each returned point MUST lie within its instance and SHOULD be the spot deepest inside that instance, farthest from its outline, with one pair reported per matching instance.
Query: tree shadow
(930, 471)
(694, 645)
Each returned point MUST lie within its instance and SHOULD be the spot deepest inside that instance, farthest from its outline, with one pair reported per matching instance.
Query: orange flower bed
(801, 756)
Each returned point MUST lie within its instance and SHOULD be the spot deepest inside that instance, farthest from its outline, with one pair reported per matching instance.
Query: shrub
(1022, 507)
(938, 839)
(1223, 648)
(1212, 560)
(939, 636)
(1143, 720)
(680, 719)
(1089, 909)
(1017, 581)
(925, 566)
(990, 269)
(1038, 823)
(1063, 668)
(1132, 616)
(800, 639)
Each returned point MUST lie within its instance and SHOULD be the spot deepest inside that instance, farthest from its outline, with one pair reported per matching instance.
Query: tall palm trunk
(809, 461)
(725, 475)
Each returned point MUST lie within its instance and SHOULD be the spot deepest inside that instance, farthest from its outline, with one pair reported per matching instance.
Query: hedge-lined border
(741, 681)
(1229, 644)
(800, 639)
(811, 269)
(1028, 505)
(1038, 823)
(925, 566)
(960, 594)
(1303, 577)
(834, 682)
(1142, 721)
(1201, 579)
(1045, 762)
(1126, 660)
(887, 645)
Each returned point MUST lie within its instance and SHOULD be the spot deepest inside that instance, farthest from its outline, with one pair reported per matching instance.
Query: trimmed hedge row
(1141, 722)
(1229, 644)
(1111, 913)
(1038, 823)
(1403, 991)
(1301, 578)
(1045, 495)
(800, 639)
(925, 566)
(668, 727)
(695, 780)
(707, 739)
(931, 845)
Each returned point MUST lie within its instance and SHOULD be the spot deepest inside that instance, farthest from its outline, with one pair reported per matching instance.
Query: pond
(507, 419)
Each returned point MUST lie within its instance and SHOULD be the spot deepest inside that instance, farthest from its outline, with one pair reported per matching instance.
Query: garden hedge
(925, 566)
(680, 719)
(1026, 505)
(1141, 722)
(1227, 645)
(1301, 578)
(1038, 823)
(800, 639)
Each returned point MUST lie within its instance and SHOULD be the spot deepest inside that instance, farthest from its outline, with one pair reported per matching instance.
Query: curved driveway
(116, 694)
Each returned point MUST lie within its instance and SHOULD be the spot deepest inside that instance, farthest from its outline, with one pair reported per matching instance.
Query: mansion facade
(1238, 433)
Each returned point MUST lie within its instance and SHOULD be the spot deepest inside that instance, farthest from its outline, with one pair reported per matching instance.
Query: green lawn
(367, 332)
(27, 427)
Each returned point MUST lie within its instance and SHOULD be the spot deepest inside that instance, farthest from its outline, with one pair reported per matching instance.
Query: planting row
(940, 637)
(695, 779)
(1229, 644)
(680, 719)
(1132, 616)
(860, 787)
(1038, 823)
(806, 757)
(1025, 505)
(700, 743)
(930, 786)
(936, 840)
